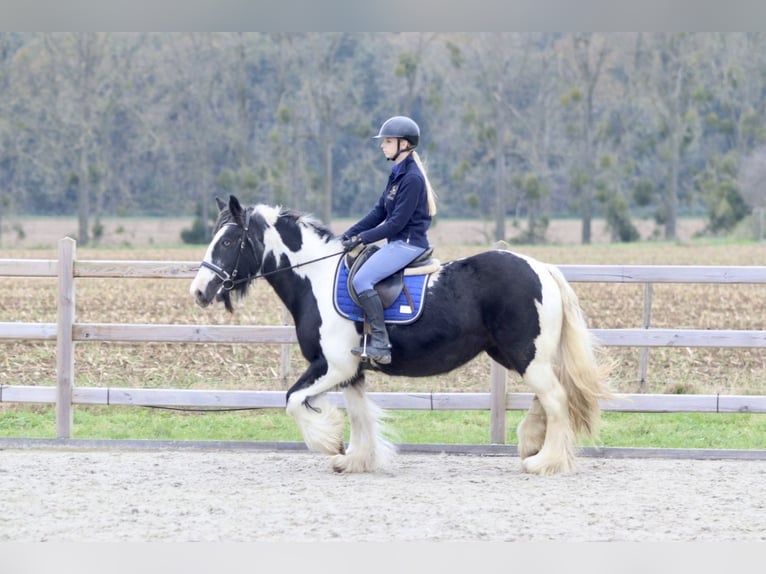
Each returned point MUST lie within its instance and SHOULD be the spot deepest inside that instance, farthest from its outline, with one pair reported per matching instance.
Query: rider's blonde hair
(430, 194)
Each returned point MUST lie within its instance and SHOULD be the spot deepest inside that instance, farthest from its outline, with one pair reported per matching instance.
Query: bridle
(230, 280)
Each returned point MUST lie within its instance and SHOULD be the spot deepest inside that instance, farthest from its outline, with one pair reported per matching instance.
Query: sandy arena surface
(235, 496)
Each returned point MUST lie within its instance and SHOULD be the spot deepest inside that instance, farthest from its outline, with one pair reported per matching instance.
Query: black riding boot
(378, 347)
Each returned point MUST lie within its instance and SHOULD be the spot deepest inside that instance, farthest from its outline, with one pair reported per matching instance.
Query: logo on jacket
(392, 192)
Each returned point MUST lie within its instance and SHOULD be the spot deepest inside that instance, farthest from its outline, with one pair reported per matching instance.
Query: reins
(230, 280)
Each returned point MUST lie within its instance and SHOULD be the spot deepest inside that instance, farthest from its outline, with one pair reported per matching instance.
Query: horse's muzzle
(201, 300)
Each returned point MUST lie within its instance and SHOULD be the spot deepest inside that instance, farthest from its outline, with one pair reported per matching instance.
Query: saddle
(392, 286)
(402, 294)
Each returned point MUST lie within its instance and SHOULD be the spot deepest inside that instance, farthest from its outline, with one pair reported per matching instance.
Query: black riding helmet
(400, 127)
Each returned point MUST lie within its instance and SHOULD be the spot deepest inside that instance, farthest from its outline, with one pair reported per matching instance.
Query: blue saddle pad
(398, 312)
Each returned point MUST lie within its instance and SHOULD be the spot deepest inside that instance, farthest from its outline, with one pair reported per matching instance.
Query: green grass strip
(647, 430)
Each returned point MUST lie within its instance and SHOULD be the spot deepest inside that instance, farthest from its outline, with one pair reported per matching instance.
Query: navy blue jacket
(401, 213)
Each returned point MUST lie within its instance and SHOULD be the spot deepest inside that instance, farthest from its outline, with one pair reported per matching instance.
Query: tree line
(515, 126)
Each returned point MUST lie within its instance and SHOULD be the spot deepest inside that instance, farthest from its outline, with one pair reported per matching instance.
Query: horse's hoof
(537, 465)
(340, 463)
(353, 463)
(526, 451)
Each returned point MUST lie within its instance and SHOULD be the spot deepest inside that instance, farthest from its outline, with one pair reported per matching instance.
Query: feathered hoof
(526, 450)
(545, 467)
(322, 428)
(344, 463)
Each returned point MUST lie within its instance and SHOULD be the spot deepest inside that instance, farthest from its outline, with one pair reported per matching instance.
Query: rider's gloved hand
(350, 242)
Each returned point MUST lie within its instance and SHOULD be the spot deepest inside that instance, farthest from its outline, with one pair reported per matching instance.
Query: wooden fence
(66, 331)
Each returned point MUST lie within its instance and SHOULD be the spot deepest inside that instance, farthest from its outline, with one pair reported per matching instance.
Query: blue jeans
(385, 261)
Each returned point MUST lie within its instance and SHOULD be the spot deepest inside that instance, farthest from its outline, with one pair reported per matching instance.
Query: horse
(520, 311)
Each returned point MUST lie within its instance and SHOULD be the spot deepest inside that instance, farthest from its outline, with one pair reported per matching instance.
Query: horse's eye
(226, 242)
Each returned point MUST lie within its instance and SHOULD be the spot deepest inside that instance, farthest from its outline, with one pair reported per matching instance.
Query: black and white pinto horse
(518, 310)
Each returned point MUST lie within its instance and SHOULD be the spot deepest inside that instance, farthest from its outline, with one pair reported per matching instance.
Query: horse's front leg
(368, 448)
(320, 422)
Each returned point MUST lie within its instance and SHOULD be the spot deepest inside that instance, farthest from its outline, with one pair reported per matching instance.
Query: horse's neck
(284, 291)
(301, 287)
(310, 258)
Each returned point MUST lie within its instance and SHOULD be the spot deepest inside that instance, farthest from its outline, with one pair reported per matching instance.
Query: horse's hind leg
(557, 452)
(531, 430)
(368, 450)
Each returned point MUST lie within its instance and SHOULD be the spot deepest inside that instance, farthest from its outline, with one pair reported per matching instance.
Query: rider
(402, 216)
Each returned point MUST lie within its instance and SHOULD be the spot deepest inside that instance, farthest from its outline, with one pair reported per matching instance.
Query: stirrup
(379, 355)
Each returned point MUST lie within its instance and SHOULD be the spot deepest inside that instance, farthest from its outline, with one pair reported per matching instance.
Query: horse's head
(233, 258)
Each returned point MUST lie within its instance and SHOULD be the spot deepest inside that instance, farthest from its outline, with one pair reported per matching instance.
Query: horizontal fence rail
(625, 403)
(663, 273)
(67, 331)
(282, 334)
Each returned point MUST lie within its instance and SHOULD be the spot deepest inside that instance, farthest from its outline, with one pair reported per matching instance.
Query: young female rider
(402, 216)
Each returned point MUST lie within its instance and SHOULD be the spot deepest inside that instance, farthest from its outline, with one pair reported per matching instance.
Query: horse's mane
(307, 220)
(271, 214)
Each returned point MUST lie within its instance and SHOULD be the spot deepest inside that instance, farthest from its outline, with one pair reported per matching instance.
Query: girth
(390, 287)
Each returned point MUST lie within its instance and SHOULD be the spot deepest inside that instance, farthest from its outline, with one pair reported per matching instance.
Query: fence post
(64, 342)
(497, 405)
(643, 360)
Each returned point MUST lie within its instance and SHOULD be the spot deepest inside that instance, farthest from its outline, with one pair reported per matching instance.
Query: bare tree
(486, 65)
(83, 80)
(589, 53)
(327, 102)
(6, 130)
(411, 67)
(64, 86)
(670, 82)
(198, 113)
(753, 183)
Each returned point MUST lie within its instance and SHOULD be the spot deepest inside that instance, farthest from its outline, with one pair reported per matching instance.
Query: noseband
(229, 281)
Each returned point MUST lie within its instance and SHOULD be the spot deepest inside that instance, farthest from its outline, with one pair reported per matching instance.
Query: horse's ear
(234, 207)
(220, 203)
